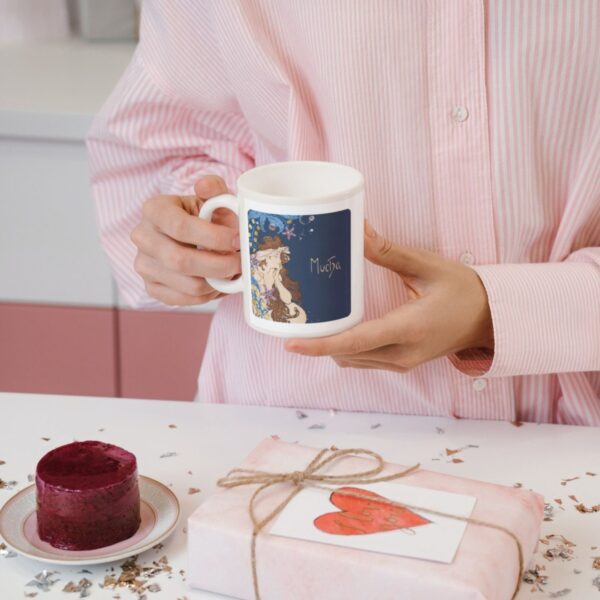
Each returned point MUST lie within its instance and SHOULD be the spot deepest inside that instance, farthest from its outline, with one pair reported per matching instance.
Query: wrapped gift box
(486, 564)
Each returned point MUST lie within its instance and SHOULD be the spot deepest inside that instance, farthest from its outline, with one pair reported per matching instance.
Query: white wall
(49, 250)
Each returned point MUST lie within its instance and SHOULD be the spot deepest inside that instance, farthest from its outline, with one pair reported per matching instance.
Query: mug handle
(229, 201)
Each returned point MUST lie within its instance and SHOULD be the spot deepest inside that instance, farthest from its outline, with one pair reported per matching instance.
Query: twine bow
(312, 477)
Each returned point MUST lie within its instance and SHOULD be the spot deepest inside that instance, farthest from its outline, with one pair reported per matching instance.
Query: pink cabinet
(160, 353)
(57, 350)
(100, 351)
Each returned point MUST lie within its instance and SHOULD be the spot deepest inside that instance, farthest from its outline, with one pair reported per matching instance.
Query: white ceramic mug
(301, 238)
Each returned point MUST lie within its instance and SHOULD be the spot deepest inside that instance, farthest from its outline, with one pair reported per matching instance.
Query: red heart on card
(371, 514)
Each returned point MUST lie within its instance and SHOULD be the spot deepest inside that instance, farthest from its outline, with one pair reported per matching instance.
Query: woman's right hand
(168, 260)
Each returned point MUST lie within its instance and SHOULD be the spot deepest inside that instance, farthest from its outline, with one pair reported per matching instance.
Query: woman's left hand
(448, 312)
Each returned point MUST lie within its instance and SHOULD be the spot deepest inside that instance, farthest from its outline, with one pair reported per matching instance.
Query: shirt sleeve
(171, 119)
(546, 318)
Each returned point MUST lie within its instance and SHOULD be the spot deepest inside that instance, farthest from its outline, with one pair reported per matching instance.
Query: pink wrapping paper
(485, 567)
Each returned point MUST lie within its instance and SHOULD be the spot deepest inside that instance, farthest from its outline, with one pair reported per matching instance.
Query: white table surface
(211, 439)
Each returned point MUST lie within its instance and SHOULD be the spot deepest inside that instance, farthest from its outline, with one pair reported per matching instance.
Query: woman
(274, 293)
(476, 125)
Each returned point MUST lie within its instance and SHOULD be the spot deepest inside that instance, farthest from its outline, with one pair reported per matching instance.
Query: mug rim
(346, 192)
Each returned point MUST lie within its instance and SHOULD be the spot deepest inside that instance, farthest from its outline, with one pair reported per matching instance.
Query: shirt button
(460, 113)
(479, 385)
(466, 258)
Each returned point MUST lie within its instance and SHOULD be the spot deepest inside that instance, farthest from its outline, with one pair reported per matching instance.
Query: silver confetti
(535, 576)
(7, 485)
(168, 454)
(135, 575)
(83, 587)
(6, 552)
(548, 512)
(301, 415)
(317, 426)
(440, 430)
(563, 550)
(42, 581)
(596, 582)
(376, 426)
(559, 594)
(30, 478)
(453, 451)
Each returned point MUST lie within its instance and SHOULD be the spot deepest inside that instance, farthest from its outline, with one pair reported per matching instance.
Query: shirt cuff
(546, 319)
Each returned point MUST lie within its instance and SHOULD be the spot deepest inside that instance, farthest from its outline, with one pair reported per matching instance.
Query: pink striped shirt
(477, 126)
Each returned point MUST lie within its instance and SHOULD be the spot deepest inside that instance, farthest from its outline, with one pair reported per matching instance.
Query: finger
(392, 353)
(399, 357)
(213, 185)
(173, 298)
(184, 259)
(224, 216)
(191, 205)
(364, 364)
(402, 260)
(201, 263)
(363, 337)
(151, 270)
(169, 216)
(210, 185)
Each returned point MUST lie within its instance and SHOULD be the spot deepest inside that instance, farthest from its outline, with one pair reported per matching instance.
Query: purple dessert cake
(87, 496)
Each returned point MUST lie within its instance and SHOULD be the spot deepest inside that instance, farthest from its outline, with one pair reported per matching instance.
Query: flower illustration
(289, 232)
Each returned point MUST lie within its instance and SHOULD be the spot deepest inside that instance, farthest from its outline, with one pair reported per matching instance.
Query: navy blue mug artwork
(300, 266)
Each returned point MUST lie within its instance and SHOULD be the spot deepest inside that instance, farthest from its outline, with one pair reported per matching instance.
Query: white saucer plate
(160, 514)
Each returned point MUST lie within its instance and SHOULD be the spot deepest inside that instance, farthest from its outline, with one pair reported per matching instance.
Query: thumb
(210, 185)
(401, 259)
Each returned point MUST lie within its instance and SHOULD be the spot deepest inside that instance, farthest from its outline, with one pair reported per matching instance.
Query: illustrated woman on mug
(482, 279)
(275, 295)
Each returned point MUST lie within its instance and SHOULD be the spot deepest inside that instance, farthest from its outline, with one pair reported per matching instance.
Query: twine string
(312, 477)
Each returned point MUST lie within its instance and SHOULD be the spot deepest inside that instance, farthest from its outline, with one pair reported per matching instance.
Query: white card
(414, 533)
